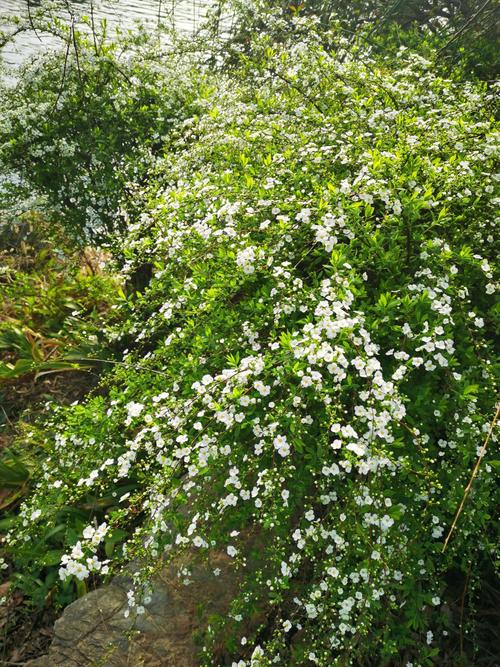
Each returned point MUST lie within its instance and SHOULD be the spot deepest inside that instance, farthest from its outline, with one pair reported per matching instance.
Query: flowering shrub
(457, 35)
(84, 122)
(311, 363)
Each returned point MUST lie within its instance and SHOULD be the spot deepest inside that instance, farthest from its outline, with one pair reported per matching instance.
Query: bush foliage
(94, 117)
(311, 362)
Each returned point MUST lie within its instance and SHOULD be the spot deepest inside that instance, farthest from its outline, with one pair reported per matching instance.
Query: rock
(43, 661)
(94, 632)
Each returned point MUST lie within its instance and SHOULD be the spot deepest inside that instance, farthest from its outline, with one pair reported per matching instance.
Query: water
(187, 16)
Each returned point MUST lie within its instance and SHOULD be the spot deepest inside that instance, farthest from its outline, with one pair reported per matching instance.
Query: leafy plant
(14, 475)
(308, 357)
(95, 115)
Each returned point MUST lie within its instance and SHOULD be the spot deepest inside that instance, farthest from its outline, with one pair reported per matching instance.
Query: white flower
(311, 610)
(281, 445)
(199, 541)
(285, 569)
(437, 531)
(134, 409)
(88, 532)
(264, 390)
(76, 551)
(257, 653)
(80, 571)
(396, 207)
(245, 259)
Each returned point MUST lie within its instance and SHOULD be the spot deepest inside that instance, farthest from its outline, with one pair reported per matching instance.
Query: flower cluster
(79, 563)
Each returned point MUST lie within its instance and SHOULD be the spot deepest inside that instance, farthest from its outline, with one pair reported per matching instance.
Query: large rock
(94, 632)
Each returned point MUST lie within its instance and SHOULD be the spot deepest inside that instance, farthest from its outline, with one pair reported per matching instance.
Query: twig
(293, 85)
(63, 78)
(462, 608)
(472, 477)
(6, 416)
(76, 360)
(159, 13)
(75, 47)
(463, 28)
(31, 21)
(5, 39)
(385, 15)
(92, 22)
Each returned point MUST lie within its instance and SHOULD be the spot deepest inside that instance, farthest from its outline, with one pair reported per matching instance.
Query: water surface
(187, 16)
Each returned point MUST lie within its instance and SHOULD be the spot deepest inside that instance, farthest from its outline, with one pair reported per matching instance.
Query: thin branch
(136, 367)
(31, 21)
(293, 85)
(5, 39)
(63, 78)
(6, 416)
(377, 24)
(159, 13)
(92, 22)
(77, 55)
(462, 610)
(464, 27)
(472, 477)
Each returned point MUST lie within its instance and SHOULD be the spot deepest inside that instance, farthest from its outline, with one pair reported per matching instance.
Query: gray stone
(94, 632)
(43, 661)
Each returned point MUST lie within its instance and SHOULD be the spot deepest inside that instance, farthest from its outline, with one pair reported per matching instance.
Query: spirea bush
(307, 381)
(84, 122)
